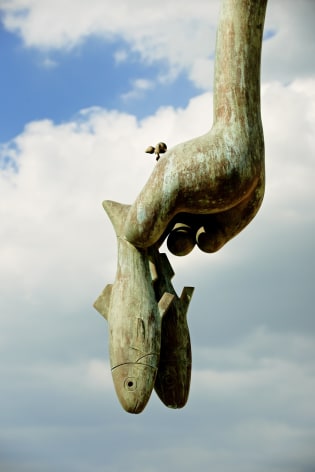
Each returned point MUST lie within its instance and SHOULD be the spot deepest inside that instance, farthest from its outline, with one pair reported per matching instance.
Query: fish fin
(117, 213)
(186, 297)
(166, 266)
(165, 302)
(103, 301)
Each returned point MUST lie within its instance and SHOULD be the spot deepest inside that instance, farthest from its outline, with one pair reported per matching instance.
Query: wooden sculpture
(201, 192)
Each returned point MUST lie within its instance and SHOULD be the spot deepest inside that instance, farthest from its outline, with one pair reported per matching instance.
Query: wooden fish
(134, 317)
(173, 377)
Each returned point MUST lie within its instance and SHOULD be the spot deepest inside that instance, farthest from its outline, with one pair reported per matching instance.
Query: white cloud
(260, 392)
(289, 52)
(139, 86)
(121, 55)
(201, 73)
(252, 372)
(48, 63)
(263, 362)
(156, 31)
(183, 38)
(66, 170)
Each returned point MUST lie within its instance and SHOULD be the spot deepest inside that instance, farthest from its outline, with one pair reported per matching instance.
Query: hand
(215, 182)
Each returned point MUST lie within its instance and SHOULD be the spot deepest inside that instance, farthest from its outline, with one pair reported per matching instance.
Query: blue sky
(87, 76)
(86, 87)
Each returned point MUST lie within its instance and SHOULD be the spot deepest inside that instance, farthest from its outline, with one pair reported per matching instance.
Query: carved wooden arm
(215, 182)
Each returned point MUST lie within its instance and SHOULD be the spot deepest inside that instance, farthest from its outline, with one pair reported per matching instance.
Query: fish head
(134, 383)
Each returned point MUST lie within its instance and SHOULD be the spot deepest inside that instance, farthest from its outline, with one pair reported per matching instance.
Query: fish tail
(117, 213)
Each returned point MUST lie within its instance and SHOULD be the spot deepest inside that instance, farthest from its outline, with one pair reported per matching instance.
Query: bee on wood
(160, 148)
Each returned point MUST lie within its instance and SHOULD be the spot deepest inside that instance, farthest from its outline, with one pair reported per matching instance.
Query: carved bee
(160, 148)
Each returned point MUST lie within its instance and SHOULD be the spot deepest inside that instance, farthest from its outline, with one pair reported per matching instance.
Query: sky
(85, 88)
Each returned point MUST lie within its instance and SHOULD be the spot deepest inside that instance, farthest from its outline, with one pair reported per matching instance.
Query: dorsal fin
(185, 298)
(166, 266)
(103, 301)
(165, 303)
(117, 213)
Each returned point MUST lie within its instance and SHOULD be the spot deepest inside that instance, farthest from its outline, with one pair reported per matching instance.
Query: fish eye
(130, 384)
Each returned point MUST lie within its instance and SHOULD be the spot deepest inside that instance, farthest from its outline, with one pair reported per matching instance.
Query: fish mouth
(134, 383)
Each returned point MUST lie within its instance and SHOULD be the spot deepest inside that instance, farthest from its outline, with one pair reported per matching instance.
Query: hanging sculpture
(201, 192)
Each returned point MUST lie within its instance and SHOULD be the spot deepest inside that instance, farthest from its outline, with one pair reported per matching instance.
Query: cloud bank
(182, 38)
(252, 314)
(251, 317)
